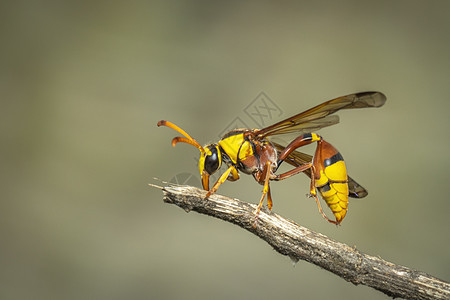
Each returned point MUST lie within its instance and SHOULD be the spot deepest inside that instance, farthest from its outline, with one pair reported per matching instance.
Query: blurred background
(83, 84)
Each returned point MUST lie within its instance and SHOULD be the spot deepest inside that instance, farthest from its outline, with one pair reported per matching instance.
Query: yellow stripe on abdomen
(336, 201)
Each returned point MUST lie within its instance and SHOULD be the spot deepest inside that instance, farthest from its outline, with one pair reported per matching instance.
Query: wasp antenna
(161, 123)
(188, 139)
(174, 127)
(192, 142)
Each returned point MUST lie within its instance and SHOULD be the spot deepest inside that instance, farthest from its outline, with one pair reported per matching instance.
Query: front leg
(233, 176)
(231, 170)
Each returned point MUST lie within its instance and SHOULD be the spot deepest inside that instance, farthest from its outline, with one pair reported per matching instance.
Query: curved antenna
(188, 139)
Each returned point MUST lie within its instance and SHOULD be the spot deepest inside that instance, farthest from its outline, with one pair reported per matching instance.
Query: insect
(251, 151)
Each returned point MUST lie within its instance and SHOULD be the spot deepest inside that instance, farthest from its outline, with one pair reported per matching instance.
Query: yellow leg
(205, 180)
(219, 181)
(313, 193)
(320, 209)
(234, 175)
(266, 190)
(269, 199)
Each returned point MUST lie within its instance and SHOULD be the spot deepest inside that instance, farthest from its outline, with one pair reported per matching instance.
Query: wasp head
(210, 156)
(210, 160)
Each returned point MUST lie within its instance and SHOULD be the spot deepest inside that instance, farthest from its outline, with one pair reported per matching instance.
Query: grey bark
(300, 243)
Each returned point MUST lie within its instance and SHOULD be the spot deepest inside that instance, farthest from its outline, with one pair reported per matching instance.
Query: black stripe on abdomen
(332, 160)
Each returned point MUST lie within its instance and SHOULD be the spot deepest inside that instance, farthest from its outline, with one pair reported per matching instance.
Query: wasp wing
(319, 116)
(297, 158)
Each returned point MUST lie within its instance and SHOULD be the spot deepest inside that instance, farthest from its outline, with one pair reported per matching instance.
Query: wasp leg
(313, 193)
(303, 140)
(221, 180)
(269, 200)
(299, 142)
(320, 209)
(293, 172)
(205, 180)
(266, 190)
(234, 175)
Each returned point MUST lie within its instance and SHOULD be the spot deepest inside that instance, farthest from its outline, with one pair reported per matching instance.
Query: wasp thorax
(210, 160)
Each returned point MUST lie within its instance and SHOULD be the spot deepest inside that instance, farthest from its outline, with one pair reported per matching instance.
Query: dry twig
(298, 242)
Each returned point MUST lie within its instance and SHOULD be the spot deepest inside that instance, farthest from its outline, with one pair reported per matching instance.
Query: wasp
(252, 152)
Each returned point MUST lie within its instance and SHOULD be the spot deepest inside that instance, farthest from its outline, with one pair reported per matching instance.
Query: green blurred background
(83, 84)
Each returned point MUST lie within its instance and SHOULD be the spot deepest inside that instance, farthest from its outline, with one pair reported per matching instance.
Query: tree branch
(298, 242)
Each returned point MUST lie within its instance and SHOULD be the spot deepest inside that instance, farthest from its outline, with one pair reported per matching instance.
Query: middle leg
(266, 189)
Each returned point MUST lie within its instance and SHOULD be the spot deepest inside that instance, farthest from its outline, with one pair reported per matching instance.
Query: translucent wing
(297, 158)
(319, 116)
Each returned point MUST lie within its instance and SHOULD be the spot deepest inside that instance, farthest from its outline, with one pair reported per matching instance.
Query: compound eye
(212, 160)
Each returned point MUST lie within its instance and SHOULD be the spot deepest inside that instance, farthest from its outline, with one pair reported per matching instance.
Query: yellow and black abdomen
(331, 179)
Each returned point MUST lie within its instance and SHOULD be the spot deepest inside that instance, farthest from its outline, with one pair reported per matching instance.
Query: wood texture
(300, 243)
